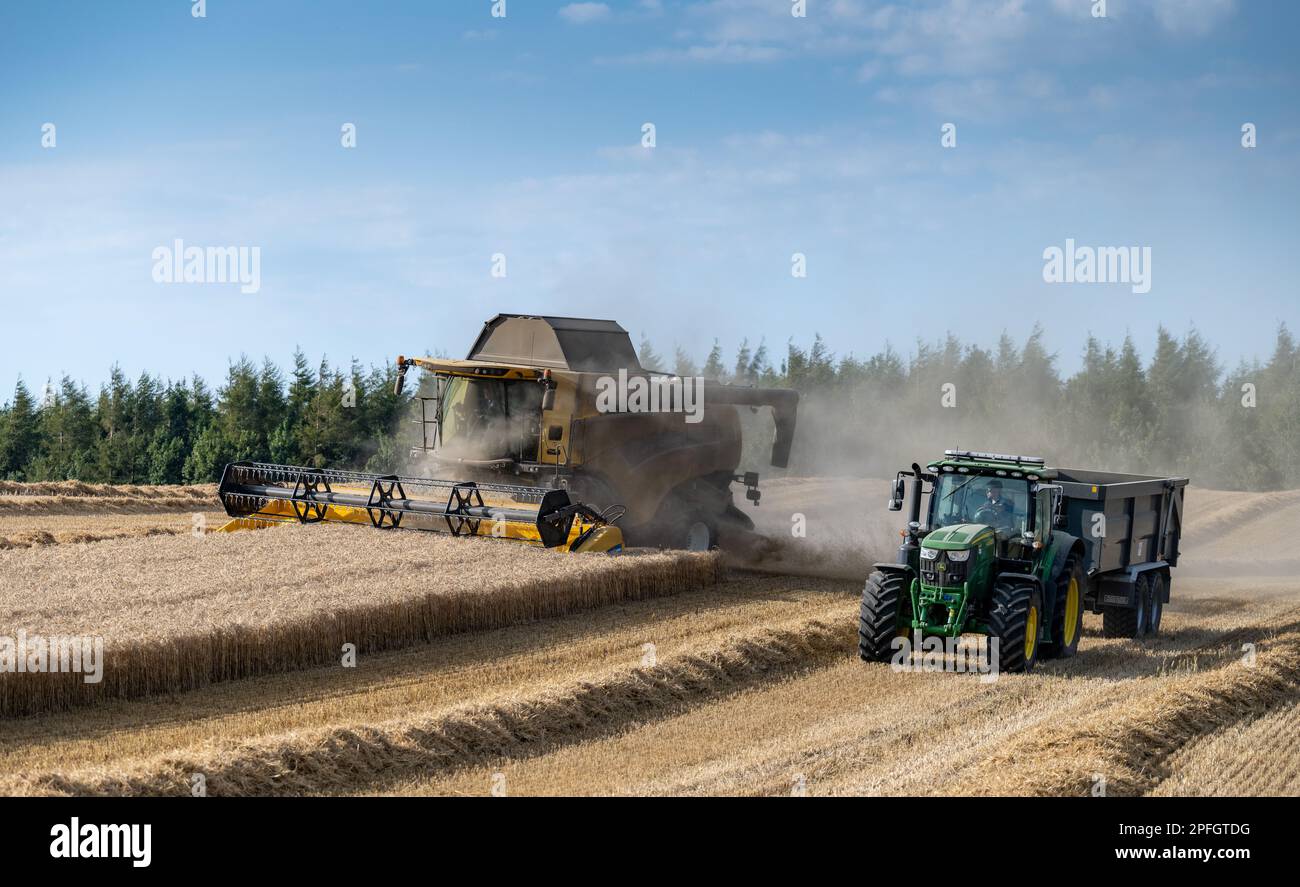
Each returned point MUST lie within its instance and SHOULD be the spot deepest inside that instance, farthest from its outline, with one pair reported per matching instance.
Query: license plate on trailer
(1114, 599)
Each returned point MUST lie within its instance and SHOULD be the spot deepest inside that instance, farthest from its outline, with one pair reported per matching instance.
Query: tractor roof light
(995, 457)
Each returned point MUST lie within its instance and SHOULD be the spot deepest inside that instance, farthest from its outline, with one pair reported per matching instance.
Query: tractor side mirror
(896, 495)
(548, 400)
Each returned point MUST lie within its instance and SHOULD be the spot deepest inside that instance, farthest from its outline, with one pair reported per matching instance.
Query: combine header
(258, 495)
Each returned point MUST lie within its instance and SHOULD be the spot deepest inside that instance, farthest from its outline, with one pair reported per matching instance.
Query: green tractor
(1017, 551)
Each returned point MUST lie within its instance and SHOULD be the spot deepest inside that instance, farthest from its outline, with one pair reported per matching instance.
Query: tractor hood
(957, 536)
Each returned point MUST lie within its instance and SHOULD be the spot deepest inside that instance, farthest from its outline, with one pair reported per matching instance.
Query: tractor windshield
(999, 502)
(488, 419)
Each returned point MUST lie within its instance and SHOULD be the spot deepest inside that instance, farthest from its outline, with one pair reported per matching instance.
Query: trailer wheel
(1155, 604)
(882, 601)
(1015, 613)
(1067, 615)
(1128, 622)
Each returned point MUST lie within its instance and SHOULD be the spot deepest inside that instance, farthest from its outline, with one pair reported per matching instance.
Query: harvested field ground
(752, 686)
(76, 499)
(26, 530)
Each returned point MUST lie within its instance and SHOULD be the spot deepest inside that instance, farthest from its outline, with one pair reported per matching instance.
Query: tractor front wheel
(878, 623)
(1014, 616)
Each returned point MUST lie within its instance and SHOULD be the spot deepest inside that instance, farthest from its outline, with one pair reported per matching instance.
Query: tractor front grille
(943, 573)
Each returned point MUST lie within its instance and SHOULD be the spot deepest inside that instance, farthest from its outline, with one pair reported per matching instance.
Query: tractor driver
(996, 511)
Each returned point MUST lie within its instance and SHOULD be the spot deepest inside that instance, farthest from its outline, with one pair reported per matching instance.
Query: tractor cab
(1001, 503)
(1012, 496)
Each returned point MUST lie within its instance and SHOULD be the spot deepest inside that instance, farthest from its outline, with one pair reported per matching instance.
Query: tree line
(1176, 411)
(153, 431)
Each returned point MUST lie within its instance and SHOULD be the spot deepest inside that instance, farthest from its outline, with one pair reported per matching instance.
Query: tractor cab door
(1050, 497)
(1047, 499)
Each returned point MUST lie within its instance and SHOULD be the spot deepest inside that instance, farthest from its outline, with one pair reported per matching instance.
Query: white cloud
(924, 40)
(1192, 17)
(584, 13)
(869, 70)
(958, 36)
(725, 53)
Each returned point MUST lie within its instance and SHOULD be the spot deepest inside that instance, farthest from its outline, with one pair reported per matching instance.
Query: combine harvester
(1013, 549)
(543, 457)
(258, 496)
(526, 404)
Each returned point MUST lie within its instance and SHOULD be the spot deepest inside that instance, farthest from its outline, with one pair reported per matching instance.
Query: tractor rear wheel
(1015, 612)
(882, 601)
(1128, 622)
(1067, 615)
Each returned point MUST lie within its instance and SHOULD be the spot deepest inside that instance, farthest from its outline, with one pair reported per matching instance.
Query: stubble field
(698, 680)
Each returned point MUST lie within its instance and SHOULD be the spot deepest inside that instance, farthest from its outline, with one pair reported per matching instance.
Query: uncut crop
(180, 612)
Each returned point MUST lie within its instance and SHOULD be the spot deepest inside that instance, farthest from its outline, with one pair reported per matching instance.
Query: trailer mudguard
(1116, 589)
(1138, 569)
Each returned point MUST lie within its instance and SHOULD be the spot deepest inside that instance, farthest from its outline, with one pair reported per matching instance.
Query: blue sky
(522, 135)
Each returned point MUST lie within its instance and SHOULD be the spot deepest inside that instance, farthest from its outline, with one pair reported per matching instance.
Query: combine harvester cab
(1016, 550)
(258, 496)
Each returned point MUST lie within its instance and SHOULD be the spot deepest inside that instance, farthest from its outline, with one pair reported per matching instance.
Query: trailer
(1130, 526)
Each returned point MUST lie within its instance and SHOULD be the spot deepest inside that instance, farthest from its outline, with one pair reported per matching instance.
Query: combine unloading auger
(257, 495)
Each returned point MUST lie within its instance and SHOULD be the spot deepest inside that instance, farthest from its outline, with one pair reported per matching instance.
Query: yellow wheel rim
(1031, 633)
(1072, 612)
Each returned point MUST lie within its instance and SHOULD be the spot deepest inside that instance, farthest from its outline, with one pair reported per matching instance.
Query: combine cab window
(486, 419)
(1002, 503)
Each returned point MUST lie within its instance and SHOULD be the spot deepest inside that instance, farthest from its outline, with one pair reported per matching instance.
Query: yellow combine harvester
(257, 496)
(529, 405)
(528, 421)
